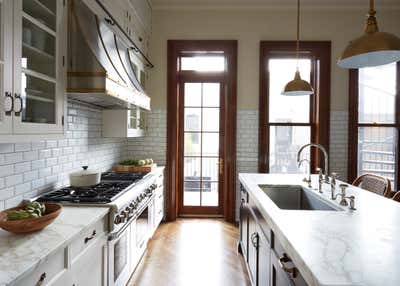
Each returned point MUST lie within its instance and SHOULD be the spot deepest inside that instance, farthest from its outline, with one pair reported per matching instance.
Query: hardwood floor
(192, 252)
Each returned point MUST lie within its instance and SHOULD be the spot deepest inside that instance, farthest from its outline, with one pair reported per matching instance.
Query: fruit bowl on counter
(133, 166)
(29, 217)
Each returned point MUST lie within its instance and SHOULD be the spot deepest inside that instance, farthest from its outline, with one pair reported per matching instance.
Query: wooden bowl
(30, 224)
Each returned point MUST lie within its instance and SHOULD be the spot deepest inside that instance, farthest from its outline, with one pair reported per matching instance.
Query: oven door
(119, 258)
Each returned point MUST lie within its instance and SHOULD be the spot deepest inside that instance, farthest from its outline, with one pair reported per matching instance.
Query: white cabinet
(90, 266)
(124, 123)
(83, 262)
(33, 79)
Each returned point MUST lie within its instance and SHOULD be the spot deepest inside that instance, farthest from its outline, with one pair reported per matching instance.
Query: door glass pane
(38, 49)
(377, 151)
(287, 108)
(191, 185)
(377, 92)
(211, 94)
(193, 94)
(209, 196)
(191, 195)
(38, 98)
(192, 119)
(203, 63)
(209, 169)
(42, 11)
(285, 141)
(211, 119)
(192, 144)
(210, 144)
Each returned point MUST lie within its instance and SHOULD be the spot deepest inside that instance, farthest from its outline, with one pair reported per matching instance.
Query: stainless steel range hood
(101, 64)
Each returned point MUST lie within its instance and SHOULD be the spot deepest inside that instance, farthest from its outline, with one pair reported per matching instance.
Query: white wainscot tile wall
(27, 169)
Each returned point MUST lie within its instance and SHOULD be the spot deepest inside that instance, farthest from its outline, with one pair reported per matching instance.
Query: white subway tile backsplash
(6, 170)
(43, 154)
(23, 167)
(6, 148)
(30, 155)
(12, 158)
(27, 169)
(19, 147)
(13, 180)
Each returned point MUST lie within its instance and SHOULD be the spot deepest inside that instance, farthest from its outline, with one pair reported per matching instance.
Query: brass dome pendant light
(297, 86)
(374, 48)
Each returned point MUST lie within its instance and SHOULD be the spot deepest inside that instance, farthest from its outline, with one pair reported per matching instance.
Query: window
(374, 122)
(288, 122)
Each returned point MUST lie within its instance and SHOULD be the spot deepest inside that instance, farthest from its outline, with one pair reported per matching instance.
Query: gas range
(126, 194)
(112, 186)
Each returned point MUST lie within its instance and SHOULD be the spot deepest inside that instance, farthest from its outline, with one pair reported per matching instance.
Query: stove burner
(101, 193)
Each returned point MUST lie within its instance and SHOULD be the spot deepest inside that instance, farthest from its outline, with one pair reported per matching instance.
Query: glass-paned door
(202, 131)
(38, 57)
(6, 100)
(289, 116)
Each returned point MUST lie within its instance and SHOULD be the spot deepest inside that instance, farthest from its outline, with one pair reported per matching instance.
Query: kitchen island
(23, 256)
(337, 246)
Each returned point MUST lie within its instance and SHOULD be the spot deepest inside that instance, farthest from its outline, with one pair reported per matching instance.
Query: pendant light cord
(298, 35)
(372, 11)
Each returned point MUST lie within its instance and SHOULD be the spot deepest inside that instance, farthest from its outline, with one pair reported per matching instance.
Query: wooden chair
(374, 183)
(396, 197)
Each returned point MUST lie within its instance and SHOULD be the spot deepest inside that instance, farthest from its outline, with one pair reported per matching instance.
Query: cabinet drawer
(47, 271)
(280, 253)
(87, 237)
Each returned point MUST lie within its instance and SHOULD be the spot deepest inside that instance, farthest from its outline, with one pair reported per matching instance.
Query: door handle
(8, 103)
(291, 270)
(19, 105)
(221, 165)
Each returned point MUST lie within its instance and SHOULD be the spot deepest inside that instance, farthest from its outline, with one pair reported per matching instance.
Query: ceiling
(271, 3)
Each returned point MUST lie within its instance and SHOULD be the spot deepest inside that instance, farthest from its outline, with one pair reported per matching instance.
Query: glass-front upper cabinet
(6, 99)
(39, 65)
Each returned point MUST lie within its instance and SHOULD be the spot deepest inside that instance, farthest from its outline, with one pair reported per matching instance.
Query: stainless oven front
(119, 256)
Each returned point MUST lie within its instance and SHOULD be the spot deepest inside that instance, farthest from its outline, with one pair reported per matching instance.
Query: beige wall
(249, 27)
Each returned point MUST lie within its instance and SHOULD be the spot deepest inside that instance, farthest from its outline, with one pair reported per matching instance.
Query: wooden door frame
(319, 102)
(229, 48)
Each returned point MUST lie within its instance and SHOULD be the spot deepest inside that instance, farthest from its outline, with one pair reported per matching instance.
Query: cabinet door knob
(41, 279)
(87, 239)
(8, 103)
(291, 270)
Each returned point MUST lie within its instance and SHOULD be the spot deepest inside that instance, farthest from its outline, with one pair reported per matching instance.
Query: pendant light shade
(297, 86)
(374, 48)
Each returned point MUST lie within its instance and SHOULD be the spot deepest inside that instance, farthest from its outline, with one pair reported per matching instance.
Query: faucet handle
(320, 177)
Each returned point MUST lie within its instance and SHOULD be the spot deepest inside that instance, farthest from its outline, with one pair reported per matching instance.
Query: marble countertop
(20, 254)
(360, 247)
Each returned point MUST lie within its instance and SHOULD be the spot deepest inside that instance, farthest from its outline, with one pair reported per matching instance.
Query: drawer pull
(41, 279)
(284, 259)
(87, 239)
(254, 239)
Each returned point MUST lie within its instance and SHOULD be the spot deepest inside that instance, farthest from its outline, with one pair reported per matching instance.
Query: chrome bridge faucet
(320, 147)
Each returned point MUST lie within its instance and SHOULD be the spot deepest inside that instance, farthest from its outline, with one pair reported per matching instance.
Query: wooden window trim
(320, 120)
(353, 125)
(175, 47)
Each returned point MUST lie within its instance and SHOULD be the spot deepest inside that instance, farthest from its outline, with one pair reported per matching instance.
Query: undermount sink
(292, 197)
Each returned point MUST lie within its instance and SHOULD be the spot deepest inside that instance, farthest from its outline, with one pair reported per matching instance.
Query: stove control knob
(143, 196)
(138, 199)
(118, 219)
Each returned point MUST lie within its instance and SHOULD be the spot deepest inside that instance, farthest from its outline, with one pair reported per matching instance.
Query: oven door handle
(116, 235)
